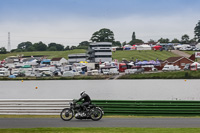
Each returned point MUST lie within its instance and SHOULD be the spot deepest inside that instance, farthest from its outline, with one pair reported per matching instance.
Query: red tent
(157, 47)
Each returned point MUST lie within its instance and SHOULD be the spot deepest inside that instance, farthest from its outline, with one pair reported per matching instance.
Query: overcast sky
(70, 22)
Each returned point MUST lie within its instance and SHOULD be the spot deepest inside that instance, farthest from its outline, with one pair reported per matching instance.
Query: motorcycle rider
(86, 100)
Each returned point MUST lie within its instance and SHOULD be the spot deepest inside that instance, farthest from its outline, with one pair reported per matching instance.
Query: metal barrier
(114, 107)
(33, 106)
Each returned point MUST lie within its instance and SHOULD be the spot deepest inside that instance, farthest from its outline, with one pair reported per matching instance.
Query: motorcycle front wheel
(66, 114)
(96, 114)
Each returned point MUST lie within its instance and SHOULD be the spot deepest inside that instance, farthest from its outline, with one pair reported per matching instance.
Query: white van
(171, 68)
(4, 72)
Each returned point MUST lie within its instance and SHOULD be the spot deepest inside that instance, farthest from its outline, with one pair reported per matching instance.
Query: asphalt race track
(105, 122)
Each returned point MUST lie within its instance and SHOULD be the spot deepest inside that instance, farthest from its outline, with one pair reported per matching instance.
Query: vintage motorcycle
(90, 112)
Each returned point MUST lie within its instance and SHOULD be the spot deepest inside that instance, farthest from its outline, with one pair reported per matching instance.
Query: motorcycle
(90, 112)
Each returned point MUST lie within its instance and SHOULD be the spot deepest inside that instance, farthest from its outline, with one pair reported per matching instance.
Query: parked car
(140, 70)
(114, 71)
(106, 71)
(171, 68)
(130, 71)
(4, 72)
(95, 72)
(196, 49)
(68, 74)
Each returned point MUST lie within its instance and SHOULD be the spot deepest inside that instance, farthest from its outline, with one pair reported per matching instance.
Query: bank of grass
(119, 55)
(105, 116)
(165, 75)
(142, 55)
(81, 77)
(49, 54)
(102, 130)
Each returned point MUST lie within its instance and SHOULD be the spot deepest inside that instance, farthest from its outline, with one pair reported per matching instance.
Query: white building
(58, 61)
(100, 52)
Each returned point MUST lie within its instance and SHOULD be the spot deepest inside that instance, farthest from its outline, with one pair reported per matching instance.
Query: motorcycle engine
(80, 115)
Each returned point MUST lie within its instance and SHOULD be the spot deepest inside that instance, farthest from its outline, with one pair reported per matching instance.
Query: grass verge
(102, 130)
(81, 77)
(165, 75)
(105, 116)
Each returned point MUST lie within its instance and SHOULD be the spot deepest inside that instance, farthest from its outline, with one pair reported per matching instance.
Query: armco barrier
(115, 107)
(32, 106)
(149, 107)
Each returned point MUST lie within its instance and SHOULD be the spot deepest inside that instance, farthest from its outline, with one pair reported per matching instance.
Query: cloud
(74, 29)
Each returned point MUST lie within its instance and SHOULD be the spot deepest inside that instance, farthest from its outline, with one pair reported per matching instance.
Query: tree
(56, 47)
(103, 35)
(162, 40)
(197, 31)
(67, 48)
(31, 48)
(73, 47)
(3, 50)
(133, 36)
(117, 43)
(24, 45)
(151, 41)
(175, 40)
(124, 43)
(185, 38)
(83, 45)
(134, 40)
(53, 48)
(40, 46)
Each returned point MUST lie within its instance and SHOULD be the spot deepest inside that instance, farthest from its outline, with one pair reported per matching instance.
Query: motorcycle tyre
(64, 111)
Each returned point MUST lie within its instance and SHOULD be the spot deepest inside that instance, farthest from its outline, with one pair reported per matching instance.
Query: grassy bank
(49, 54)
(119, 55)
(165, 75)
(102, 130)
(142, 55)
(100, 77)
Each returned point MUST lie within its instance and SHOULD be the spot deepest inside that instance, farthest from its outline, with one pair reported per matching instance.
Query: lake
(102, 89)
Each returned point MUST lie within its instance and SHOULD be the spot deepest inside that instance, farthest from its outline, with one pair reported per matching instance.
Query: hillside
(119, 55)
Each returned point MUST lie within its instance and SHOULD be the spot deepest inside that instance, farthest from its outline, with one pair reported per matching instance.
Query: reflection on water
(102, 89)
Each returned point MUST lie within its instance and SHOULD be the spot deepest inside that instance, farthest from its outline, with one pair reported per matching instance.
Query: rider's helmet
(83, 92)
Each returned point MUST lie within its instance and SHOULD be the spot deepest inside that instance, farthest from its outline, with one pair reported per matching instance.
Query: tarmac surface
(105, 122)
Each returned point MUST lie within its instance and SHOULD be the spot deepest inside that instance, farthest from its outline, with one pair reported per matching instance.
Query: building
(179, 61)
(58, 61)
(100, 52)
(75, 58)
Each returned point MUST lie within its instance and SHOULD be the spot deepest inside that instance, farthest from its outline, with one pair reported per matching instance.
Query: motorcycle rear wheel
(66, 114)
(96, 114)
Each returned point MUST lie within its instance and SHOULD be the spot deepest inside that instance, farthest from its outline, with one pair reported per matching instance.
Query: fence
(150, 107)
(33, 106)
(114, 107)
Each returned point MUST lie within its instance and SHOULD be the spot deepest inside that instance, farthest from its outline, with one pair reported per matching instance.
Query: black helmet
(83, 92)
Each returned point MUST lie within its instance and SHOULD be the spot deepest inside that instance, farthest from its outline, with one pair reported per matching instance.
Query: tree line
(103, 35)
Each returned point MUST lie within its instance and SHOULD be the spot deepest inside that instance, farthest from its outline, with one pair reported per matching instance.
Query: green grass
(165, 75)
(50, 54)
(105, 116)
(101, 130)
(142, 55)
(119, 55)
(81, 77)
(190, 52)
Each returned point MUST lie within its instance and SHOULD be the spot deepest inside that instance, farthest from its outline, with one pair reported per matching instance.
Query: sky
(70, 22)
